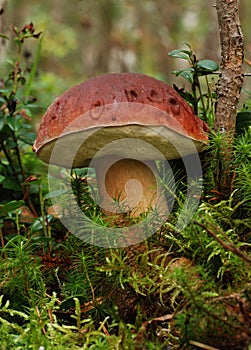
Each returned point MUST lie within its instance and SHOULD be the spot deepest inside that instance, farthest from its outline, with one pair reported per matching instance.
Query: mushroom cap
(93, 114)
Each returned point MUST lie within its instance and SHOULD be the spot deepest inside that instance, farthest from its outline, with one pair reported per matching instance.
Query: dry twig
(228, 246)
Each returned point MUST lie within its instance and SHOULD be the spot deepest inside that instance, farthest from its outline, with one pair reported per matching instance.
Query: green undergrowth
(176, 289)
(183, 288)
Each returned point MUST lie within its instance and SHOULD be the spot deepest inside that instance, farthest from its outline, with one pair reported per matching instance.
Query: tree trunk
(229, 85)
(2, 40)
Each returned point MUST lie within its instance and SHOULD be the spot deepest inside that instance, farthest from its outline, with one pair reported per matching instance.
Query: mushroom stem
(129, 186)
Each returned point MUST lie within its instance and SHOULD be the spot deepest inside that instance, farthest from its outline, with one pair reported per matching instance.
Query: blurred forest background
(84, 38)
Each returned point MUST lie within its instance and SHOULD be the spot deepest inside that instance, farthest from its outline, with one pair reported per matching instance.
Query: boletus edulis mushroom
(120, 123)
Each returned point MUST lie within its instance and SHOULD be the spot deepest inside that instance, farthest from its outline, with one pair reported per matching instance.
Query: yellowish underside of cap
(134, 141)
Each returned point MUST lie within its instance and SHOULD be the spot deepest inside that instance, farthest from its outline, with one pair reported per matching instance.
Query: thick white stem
(129, 186)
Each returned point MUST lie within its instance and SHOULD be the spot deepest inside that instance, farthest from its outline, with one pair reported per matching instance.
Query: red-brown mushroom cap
(116, 106)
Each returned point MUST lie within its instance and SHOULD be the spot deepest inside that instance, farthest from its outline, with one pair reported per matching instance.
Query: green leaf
(17, 41)
(5, 133)
(6, 208)
(10, 144)
(11, 122)
(2, 178)
(37, 225)
(28, 138)
(188, 75)
(10, 184)
(2, 99)
(14, 123)
(22, 80)
(184, 54)
(4, 162)
(208, 65)
(1, 122)
(32, 105)
(4, 91)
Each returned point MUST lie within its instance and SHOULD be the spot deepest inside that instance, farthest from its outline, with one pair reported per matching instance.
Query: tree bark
(2, 41)
(229, 85)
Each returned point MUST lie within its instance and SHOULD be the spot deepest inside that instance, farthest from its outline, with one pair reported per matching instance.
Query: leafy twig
(228, 246)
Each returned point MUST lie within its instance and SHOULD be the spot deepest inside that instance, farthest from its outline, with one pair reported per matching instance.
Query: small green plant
(203, 103)
(16, 129)
(20, 269)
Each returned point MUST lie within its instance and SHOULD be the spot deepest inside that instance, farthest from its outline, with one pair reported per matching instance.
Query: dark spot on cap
(175, 106)
(154, 96)
(131, 94)
(97, 109)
